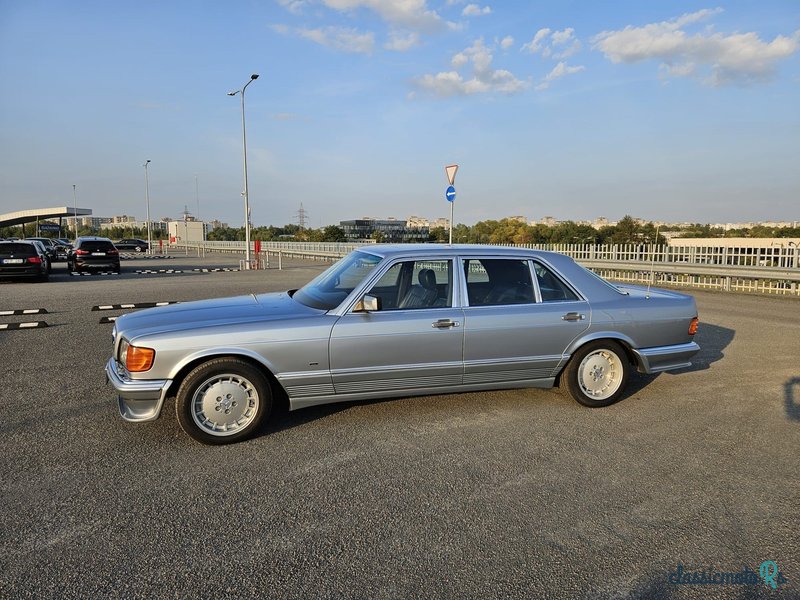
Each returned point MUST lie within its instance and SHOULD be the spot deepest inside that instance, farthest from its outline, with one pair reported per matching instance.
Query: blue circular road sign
(450, 193)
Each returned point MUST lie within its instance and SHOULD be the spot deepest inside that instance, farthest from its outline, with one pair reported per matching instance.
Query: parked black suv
(95, 253)
(22, 259)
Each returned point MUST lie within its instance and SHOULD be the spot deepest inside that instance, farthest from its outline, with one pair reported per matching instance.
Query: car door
(414, 342)
(512, 335)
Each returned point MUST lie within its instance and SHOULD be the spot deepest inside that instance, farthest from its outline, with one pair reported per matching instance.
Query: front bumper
(665, 358)
(139, 400)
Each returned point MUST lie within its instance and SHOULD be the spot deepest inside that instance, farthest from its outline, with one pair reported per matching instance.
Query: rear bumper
(139, 400)
(665, 358)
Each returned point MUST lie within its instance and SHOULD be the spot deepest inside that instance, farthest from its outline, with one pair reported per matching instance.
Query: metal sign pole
(450, 194)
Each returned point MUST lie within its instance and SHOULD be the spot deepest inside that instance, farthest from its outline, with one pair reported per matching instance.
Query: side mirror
(368, 304)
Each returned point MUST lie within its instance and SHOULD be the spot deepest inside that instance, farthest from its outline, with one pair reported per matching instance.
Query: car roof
(94, 238)
(393, 250)
(589, 285)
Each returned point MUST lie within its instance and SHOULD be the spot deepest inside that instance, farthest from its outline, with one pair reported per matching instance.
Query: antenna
(652, 262)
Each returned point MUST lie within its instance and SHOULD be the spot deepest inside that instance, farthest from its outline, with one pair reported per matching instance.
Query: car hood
(212, 313)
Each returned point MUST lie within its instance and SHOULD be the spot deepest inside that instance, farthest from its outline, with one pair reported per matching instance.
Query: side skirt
(297, 403)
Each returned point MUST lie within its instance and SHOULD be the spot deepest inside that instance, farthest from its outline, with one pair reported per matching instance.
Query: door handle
(573, 316)
(445, 323)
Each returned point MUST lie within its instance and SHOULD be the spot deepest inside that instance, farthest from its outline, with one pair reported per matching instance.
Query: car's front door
(414, 342)
(512, 333)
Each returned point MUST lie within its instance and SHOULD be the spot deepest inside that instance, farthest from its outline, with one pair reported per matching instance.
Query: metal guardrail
(771, 270)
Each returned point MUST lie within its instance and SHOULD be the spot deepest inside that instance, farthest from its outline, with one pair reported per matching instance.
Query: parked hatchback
(22, 259)
(93, 253)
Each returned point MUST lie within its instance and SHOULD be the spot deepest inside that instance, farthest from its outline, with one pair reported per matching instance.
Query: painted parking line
(28, 325)
(132, 305)
(23, 311)
(132, 256)
(216, 270)
(157, 272)
(89, 273)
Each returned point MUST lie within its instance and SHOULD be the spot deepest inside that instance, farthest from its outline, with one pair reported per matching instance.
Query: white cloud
(340, 38)
(483, 78)
(473, 10)
(402, 43)
(536, 43)
(718, 58)
(554, 44)
(406, 13)
(559, 71)
(294, 6)
(507, 42)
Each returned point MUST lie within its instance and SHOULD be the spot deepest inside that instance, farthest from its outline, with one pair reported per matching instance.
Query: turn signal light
(693, 326)
(138, 359)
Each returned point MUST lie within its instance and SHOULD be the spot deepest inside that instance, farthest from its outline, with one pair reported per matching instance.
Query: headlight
(135, 358)
(123, 350)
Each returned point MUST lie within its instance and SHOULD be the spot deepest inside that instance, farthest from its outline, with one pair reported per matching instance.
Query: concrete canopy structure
(38, 214)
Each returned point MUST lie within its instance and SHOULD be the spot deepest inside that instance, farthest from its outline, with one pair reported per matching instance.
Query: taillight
(693, 326)
(113, 251)
(35, 260)
(81, 252)
(138, 359)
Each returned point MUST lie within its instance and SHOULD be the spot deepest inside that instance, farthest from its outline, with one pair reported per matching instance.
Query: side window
(492, 282)
(551, 287)
(415, 284)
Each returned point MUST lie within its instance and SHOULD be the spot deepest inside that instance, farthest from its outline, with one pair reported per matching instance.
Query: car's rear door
(511, 335)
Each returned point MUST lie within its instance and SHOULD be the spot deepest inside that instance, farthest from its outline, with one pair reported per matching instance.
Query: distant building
(391, 230)
(414, 221)
(440, 223)
(518, 219)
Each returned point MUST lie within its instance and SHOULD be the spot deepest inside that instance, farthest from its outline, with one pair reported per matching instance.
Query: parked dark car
(131, 244)
(62, 248)
(43, 252)
(93, 253)
(22, 259)
(50, 247)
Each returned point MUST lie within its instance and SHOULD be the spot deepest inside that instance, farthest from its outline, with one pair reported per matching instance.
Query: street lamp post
(253, 77)
(147, 200)
(75, 206)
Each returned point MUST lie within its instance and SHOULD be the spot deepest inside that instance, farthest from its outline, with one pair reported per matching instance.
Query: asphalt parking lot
(520, 493)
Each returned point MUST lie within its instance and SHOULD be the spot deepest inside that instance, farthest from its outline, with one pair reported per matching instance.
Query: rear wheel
(598, 373)
(223, 401)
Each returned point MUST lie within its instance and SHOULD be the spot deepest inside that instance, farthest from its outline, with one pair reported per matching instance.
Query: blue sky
(678, 111)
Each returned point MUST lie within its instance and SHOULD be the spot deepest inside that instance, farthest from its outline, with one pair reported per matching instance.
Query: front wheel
(597, 373)
(223, 401)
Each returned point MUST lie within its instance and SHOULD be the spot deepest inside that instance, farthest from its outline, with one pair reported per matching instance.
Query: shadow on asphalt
(792, 399)
(712, 340)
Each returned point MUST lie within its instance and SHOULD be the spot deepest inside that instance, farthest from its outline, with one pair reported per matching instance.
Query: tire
(597, 373)
(223, 401)
(43, 278)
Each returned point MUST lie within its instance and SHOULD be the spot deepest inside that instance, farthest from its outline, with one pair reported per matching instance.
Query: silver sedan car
(397, 320)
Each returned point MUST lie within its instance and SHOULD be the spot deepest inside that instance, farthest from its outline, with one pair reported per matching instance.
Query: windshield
(329, 289)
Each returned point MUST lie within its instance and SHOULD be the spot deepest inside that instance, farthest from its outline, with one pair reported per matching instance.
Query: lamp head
(233, 93)
(254, 76)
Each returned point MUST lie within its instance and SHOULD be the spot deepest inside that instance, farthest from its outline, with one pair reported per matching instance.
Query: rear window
(17, 249)
(96, 246)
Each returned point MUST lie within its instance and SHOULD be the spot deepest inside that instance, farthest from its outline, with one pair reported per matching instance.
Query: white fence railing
(772, 270)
